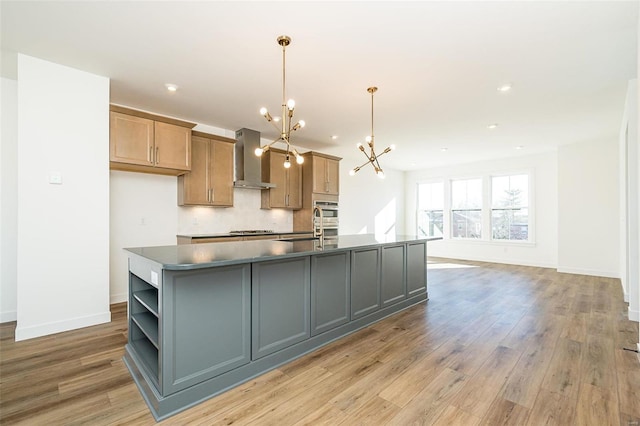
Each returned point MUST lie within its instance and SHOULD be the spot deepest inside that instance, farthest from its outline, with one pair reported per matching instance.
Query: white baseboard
(8, 316)
(118, 298)
(634, 315)
(591, 272)
(24, 333)
(626, 296)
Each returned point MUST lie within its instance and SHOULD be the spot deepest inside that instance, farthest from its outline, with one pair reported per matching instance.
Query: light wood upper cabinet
(320, 182)
(210, 182)
(143, 142)
(288, 191)
(326, 175)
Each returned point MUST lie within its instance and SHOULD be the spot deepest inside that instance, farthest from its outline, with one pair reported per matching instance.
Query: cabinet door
(172, 146)
(319, 174)
(277, 176)
(195, 184)
(280, 303)
(416, 268)
(221, 173)
(330, 298)
(333, 176)
(206, 324)
(294, 200)
(130, 139)
(393, 282)
(365, 282)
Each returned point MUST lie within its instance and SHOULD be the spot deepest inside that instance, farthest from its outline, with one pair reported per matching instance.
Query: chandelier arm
(364, 164)
(275, 126)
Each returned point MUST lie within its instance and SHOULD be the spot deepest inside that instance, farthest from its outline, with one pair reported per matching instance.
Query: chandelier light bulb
(291, 104)
(259, 151)
(302, 123)
(299, 159)
(287, 163)
(263, 111)
(352, 172)
(380, 173)
(367, 139)
(392, 146)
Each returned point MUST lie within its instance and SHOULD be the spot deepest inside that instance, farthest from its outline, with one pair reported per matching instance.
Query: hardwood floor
(495, 344)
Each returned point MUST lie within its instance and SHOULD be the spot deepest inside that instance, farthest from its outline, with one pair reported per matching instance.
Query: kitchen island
(204, 318)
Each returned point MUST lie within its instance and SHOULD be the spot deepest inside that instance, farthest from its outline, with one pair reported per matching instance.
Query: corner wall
(8, 200)
(63, 228)
(588, 208)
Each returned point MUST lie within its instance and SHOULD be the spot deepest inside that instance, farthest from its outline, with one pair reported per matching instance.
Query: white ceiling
(437, 66)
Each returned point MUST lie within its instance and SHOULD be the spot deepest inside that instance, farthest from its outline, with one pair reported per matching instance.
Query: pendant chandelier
(286, 118)
(372, 157)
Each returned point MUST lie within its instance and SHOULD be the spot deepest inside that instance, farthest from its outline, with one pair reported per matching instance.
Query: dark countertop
(229, 234)
(198, 256)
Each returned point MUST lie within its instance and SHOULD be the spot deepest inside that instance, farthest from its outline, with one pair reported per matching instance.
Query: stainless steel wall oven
(329, 218)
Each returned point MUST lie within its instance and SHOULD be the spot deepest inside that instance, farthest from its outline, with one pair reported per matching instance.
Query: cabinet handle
(150, 155)
(286, 200)
(213, 195)
(157, 155)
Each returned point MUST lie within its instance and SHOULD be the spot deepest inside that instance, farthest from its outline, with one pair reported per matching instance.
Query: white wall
(629, 209)
(63, 230)
(368, 204)
(8, 200)
(542, 252)
(588, 208)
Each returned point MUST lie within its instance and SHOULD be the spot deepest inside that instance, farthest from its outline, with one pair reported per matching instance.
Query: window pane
(510, 224)
(430, 223)
(466, 224)
(466, 194)
(431, 196)
(510, 191)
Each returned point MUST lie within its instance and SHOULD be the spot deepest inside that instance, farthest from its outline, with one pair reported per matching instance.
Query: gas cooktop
(252, 231)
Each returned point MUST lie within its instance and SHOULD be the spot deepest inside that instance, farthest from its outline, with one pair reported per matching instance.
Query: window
(466, 208)
(510, 207)
(430, 209)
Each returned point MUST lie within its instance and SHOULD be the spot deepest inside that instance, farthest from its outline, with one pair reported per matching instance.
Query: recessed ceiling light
(519, 147)
(492, 126)
(443, 149)
(334, 137)
(171, 87)
(505, 88)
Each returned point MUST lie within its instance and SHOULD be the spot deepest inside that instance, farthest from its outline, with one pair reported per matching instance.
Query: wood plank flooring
(494, 345)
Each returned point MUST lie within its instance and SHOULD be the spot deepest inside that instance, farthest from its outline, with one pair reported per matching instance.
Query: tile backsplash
(246, 214)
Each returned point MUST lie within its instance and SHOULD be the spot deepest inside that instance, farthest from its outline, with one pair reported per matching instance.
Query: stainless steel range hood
(248, 166)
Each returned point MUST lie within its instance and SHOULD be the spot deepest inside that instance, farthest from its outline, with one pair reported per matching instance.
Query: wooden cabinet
(393, 283)
(416, 268)
(320, 182)
(326, 174)
(210, 181)
(330, 297)
(280, 302)
(288, 191)
(143, 142)
(365, 281)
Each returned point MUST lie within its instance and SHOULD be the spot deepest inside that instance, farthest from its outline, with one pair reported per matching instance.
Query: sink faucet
(318, 232)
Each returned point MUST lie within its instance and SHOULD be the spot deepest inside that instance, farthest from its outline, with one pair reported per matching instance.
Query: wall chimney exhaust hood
(248, 168)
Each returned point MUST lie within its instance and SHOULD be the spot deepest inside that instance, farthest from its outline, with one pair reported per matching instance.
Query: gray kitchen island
(204, 318)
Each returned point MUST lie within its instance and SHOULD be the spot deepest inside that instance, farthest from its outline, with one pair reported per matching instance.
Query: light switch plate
(55, 178)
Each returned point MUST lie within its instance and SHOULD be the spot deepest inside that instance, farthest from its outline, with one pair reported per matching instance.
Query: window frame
(443, 210)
